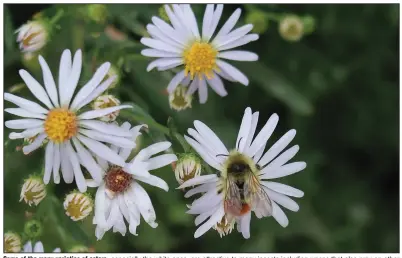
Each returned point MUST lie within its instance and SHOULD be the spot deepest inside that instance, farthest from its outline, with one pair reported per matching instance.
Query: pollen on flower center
(200, 59)
(117, 180)
(60, 125)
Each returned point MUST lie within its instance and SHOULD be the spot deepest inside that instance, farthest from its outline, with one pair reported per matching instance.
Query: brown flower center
(117, 180)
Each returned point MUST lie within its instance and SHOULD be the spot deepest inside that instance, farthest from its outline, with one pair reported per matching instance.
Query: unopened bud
(179, 99)
(309, 24)
(187, 167)
(33, 190)
(79, 249)
(12, 242)
(259, 21)
(33, 229)
(33, 36)
(291, 28)
(106, 101)
(97, 13)
(78, 205)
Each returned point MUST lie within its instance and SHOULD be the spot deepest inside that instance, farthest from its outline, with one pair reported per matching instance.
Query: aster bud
(179, 100)
(291, 28)
(187, 167)
(33, 229)
(309, 24)
(106, 101)
(79, 249)
(33, 190)
(97, 13)
(33, 36)
(259, 20)
(224, 227)
(113, 71)
(78, 205)
(12, 242)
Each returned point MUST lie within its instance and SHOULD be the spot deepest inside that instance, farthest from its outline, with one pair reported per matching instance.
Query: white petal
(102, 151)
(160, 45)
(200, 189)
(245, 225)
(35, 87)
(203, 91)
(283, 189)
(253, 127)
(155, 181)
(115, 140)
(279, 215)
(215, 20)
(211, 137)
(263, 136)
(199, 180)
(64, 73)
(27, 133)
(226, 76)
(23, 123)
(240, 42)
(186, 81)
(56, 163)
(279, 146)
(242, 136)
(25, 104)
(162, 62)
(144, 204)
(90, 86)
(193, 86)
(101, 112)
(216, 217)
(72, 78)
(79, 177)
(207, 20)
(228, 26)
(153, 149)
(157, 53)
(24, 113)
(88, 161)
(101, 206)
(174, 20)
(283, 200)
(178, 11)
(217, 85)
(234, 35)
(203, 153)
(57, 250)
(106, 128)
(38, 248)
(203, 216)
(238, 55)
(161, 161)
(168, 34)
(285, 170)
(35, 144)
(282, 159)
(233, 72)
(175, 81)
(48, 162)
(66, 167)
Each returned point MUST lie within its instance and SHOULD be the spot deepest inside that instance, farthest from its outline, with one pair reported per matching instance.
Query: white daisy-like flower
(32, 36)
(61, 123)
(38, 248)
(201, 54)
(119, 196)
(250, 151)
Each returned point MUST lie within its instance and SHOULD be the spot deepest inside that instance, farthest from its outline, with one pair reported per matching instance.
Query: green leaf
(9, 35)
(274, 84)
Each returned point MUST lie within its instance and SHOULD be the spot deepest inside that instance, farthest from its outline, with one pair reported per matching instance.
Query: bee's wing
(255, 194)
(233, 203)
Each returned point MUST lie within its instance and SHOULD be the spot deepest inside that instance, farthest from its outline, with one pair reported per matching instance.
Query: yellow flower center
(200, 59)
(61, 125)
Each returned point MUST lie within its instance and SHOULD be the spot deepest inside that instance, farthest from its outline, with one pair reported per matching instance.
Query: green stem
(57, 16)
(273, 16)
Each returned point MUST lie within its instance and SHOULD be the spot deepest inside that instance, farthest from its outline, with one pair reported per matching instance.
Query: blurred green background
(338, 86)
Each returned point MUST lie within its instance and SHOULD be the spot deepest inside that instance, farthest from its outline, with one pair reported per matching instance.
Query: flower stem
(57, 16)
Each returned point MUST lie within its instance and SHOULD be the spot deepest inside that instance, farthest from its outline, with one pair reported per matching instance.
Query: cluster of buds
(78, 205)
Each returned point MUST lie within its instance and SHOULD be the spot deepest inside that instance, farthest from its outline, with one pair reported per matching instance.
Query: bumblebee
(243, 191)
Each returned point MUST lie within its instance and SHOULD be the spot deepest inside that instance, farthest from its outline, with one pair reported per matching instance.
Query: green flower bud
(259, 21)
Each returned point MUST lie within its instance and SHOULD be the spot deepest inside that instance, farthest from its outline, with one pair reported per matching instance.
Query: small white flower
(107, 101)
(38, 248)
(201, 54)
(187, 167)
(78, 205)
(33, 191)
(12, 242)
(270, 165)
(32, 36)
(62, 124)
(119, 196)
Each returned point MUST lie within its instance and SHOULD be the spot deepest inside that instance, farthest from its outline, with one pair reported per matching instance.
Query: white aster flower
(38, 248)
(12, 242)
(78, 205)
(33, 191)
(264, 166)
(201, 54)
(120, 197)
(32, 36)
(61, 123)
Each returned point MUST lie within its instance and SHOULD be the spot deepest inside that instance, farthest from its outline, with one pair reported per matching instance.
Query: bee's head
(238, 167)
